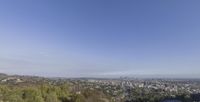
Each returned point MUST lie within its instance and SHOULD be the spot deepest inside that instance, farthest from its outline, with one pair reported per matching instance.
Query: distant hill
(2, 75)
(17, 79)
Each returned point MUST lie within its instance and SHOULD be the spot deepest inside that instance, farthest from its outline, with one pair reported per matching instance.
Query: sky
(100, 38)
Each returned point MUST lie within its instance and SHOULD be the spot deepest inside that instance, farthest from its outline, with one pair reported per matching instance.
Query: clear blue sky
(83, 38)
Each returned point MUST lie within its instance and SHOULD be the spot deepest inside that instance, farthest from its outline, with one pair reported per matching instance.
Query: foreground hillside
(38, 89)
(48, 93)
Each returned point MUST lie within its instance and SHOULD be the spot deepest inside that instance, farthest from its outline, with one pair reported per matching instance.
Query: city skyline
(100, 38)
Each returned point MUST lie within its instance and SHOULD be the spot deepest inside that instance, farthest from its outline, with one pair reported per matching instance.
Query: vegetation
(47, 93)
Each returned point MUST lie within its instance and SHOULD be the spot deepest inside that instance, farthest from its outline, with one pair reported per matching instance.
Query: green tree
(32, 95)
(51, 97)
(79, 98)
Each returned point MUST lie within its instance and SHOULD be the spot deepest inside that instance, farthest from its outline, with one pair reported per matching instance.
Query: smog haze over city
(100, 38)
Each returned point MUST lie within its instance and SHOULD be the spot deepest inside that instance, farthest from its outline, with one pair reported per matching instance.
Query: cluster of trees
(47, 93)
